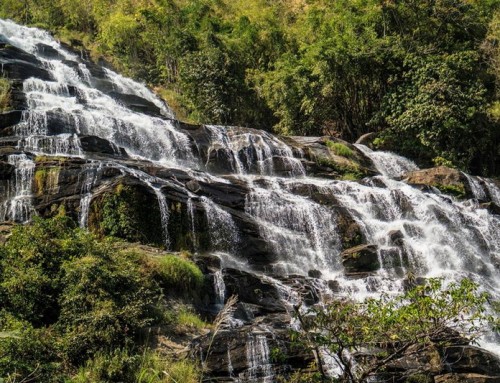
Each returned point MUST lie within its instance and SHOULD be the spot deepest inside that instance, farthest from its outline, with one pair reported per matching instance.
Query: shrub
(180, 274)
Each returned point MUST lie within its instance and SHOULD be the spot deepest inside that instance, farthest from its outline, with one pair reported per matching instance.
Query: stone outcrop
(360, 259)
(447, 180)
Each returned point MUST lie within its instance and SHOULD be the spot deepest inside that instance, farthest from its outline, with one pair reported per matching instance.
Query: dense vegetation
(378, 332)
(425, 73)
(77, 309)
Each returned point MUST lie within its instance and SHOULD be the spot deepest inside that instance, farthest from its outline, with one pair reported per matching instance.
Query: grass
(340, 149)
(179, 273)
(4, 95)
(187, 319)
(125, 366)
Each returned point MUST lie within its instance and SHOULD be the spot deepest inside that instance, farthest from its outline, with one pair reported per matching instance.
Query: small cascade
(153, 183)
(259, 369)
(19, 204)
(90, 177)
(222, 229)
(475, 187)
(492, 189)
(220, 288)
(164, 214)
(301, 232)
(191, 216)
(250, 152)
(388, 164)
(438, 238)
(128, 86)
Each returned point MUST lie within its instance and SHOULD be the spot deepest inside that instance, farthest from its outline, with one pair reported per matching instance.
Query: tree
(365, 337)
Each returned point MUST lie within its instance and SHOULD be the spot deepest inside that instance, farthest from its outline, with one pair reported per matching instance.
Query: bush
(179, 274)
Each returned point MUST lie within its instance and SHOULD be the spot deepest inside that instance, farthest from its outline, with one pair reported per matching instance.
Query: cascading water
(258, 359)
(435, 235)
(90, 174)
(18, 206)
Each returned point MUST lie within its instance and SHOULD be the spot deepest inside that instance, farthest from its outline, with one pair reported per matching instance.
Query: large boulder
(466, 378)
(359, 259)
(447, 180)
(470, 359)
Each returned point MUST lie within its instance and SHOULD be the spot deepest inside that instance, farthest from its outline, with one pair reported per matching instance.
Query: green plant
(178, 273)
(340, 149)
(426, 317)
(186, 319)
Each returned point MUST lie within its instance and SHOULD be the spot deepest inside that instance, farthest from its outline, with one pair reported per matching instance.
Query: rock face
(278, 221)
(445, 179)
(359, 259)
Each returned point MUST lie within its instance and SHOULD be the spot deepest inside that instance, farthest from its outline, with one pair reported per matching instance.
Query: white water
(388, 164)
(18, 206)
(258, 361)
(90, 174)
(250, 152)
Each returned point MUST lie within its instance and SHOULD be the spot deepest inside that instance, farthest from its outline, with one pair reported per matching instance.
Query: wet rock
(447, 180)
(6, 170)
(396, 237)
(252, 289)
(94, 144)
(412, 281)
(362, 258)
(470, 359)
(349, 230)
(9, 119)
(466, 378)
(492, 207)
(136, 103)
(334, 285)
(46, 51)
(314, 274)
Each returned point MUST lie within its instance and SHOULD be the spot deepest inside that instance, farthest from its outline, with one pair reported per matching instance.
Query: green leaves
(429, 315)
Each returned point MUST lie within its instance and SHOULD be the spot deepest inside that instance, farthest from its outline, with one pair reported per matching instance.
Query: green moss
(4, 95)
(454, 190)
(59, 159)
(180, 274)
(187, 319)
(348, 172)
(130, 212)
(340, 149)
(46, 179)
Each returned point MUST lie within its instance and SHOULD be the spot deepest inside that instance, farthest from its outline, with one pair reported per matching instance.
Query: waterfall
(222, 229)
(91, 173)
(258, 361)
(388, 164)
(220, 288)
(19, 205)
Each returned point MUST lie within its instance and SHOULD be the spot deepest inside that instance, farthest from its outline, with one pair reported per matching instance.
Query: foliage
(174, 272)
(123, 214)
(426, 74)
(340, 149)
(71, 300)
(124, 366)
(429, 315)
